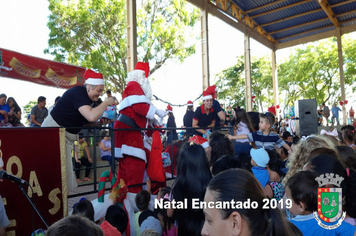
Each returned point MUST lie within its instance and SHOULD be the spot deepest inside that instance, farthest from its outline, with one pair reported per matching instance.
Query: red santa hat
(144, 66)
(207, 94)
(189, 103)
(169, 108)
(199, 140)
(93, 78)
(212, 90)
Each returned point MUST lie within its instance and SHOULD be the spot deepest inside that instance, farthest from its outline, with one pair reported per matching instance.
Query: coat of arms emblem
(329, 201)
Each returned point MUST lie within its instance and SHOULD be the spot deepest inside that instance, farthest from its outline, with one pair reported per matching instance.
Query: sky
(24, 29)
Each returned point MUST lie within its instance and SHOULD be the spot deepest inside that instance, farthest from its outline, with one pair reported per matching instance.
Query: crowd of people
(267, 178)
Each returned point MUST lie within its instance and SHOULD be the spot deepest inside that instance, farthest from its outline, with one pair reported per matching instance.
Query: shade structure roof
(285, 23)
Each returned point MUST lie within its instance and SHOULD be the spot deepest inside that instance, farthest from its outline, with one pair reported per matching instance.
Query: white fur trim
(151, 112)
(101, 207)
(133, 99)
(118, 153)
(207, 97)
(205, 144)
(95, 81)
(133, 151)
(130, 206)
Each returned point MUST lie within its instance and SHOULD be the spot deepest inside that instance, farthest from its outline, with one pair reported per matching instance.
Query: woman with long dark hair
(192, 179)
(14, 113)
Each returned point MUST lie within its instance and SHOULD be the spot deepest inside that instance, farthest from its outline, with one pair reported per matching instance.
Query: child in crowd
(149, 232)
(74, 225)
(167, 223)
(325, 164)
(259, 161)
(219, 145)
(348, 136)
(193, 175)
(302, 189)
(142, 200)
(84, 208)
(116, 221)
(274, 188)
(264, 138)
(152, 225)
(79, 159)
(224, 163)
(243, 125)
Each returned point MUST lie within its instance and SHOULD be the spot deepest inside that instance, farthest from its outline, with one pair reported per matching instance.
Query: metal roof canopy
(280, 24)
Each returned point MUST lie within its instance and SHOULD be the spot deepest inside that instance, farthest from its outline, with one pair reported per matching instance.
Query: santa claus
(135, 112)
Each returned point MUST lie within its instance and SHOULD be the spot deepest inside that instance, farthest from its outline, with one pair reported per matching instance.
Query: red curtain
(35, 155)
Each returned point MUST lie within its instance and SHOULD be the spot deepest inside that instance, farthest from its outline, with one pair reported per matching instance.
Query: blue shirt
(265, 141)
(261, 175)
(6, 108)
(335, 111)
(309, 226)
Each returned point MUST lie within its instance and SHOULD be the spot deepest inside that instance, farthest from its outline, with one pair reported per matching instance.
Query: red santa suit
(135, 110)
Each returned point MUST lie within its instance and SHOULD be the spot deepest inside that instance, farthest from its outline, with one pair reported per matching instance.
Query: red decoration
(253, 99)
(41, 71)
(277, 106)
(341, 103)
(346, 102)
(272, 109)
(155, 166)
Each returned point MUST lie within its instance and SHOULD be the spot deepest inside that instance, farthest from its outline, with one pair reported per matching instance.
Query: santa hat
(189, 103)
(199, 140)
(212, 89)
(169, 108)
(144, 66)
(93, 78)
(207, 94)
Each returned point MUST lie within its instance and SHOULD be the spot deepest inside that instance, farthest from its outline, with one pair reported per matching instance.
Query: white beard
(139, 77)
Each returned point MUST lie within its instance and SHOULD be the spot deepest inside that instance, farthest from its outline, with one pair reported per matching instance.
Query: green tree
(27, 109)
(231, 83)
(313, 72)
(92, 34)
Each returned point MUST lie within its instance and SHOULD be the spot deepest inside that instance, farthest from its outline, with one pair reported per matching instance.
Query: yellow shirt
(79, 147)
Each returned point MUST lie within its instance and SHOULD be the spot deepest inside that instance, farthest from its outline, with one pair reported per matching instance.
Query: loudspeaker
(306, 122)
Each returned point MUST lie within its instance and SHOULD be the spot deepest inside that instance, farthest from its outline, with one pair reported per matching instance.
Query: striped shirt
(265, 141)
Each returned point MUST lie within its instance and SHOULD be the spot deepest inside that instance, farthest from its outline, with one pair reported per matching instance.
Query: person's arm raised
(92, 114)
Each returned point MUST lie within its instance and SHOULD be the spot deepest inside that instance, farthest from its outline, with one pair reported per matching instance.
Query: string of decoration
(175, 105)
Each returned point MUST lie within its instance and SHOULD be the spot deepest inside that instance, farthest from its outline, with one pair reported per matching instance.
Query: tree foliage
(313, 72)
(92, 34)
(231, 83)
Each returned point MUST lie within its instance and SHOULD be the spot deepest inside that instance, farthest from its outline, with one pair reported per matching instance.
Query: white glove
(154, 122)
(161, 113)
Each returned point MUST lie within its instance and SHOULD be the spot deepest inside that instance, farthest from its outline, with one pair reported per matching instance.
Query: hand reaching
(161, 113)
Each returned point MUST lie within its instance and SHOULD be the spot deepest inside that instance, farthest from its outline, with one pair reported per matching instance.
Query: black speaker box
(306, 117)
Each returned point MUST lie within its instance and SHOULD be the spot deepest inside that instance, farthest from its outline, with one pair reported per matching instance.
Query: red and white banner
(36, 155)
(56, 74)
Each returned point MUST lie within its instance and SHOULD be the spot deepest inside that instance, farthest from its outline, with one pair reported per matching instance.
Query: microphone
(5, 175)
